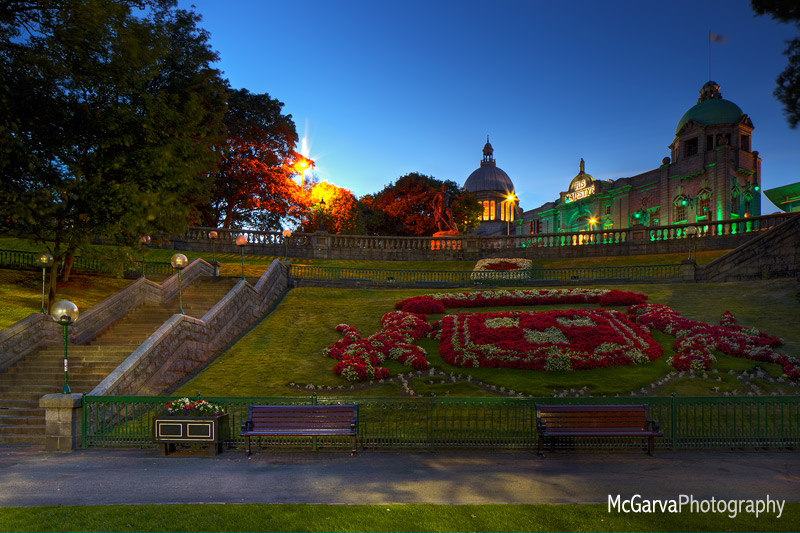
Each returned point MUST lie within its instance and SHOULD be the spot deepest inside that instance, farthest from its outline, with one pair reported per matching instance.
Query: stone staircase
(21, 386)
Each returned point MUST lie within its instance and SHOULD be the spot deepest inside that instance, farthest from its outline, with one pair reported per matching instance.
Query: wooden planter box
(209, 430)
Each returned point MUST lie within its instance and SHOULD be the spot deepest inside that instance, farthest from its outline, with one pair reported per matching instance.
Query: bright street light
(241, 241)
(179, 262)
(65, 313)
(43, 260)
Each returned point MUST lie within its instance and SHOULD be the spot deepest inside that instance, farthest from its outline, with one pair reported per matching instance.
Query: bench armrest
(541, 424)
(246, 425)
(353, 425)
(652, 425)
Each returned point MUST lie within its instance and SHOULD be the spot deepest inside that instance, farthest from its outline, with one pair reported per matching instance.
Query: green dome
(712, 111)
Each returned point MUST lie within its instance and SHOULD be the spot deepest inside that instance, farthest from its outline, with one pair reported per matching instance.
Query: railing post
(674, 423)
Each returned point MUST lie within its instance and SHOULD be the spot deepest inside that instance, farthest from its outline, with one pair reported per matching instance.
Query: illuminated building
(495, 192)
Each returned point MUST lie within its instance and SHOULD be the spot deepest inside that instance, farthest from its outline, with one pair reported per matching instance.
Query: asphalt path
(97, 476)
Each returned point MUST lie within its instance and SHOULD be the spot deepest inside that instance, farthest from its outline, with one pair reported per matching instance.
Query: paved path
(30, 477)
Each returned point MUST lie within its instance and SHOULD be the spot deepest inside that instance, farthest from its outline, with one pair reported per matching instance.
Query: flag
(716, 37)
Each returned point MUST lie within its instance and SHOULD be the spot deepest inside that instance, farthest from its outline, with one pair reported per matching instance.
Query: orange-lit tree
(253, 184)
(406, 207)
(333, 207)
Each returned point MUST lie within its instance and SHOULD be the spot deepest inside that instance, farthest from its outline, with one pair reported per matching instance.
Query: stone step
(20, 403)
(7, 420)
(22, 412)
(23, 382)
(22, 439)
(23, 429)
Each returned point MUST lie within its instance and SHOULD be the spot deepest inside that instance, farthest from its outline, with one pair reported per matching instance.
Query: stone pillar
(62, 428)
(689, 268)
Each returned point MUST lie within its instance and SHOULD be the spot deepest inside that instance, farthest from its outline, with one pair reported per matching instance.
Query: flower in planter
(187, 407)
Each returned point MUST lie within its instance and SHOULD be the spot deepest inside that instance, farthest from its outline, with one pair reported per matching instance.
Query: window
(735, 201)
(691, 147)
(608, 209)
(709, 143)
(748, 204)
(507, 211)
(703, 206)
(680, 213)
(745, 144)
(488, 210)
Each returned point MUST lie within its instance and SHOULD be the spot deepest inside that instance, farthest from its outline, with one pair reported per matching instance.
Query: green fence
(20, 259)
(434, 422)
(468, 277)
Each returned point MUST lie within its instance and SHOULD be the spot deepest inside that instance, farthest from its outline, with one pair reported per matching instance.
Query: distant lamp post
(322, 215)
(65, 313)
(286, 236)
(300, 167)
(144, 240)
(179, 262)
(241, 240)
(691, 232)
(510, 207)
(44, 261)
(213, 235)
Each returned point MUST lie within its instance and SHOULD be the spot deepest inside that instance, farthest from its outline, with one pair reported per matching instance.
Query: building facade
(711, 174)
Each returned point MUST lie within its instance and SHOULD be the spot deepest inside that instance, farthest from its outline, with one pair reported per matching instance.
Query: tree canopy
(407, 206)
(788, 90)
(252, 184)
(108, 109)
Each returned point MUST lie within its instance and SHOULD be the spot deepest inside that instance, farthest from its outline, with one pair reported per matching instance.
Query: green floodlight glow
(757, 187)
(683, 202)
(637, 214)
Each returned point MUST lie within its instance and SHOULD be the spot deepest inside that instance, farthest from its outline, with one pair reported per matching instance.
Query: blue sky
(381, 89)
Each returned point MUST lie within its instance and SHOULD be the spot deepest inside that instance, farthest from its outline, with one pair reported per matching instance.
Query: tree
(406, 207)
(107, 119)
(253, 185)
(338, 213)
(788, 90)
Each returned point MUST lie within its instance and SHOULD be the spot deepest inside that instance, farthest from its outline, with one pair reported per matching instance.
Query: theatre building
(711, 174)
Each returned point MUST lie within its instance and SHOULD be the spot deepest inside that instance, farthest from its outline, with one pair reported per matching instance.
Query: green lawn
(299, 517)
(286, 347)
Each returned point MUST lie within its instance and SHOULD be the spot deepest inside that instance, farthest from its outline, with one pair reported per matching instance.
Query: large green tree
(108, 110)
(253, 185)
(788, 89)
(407, 206)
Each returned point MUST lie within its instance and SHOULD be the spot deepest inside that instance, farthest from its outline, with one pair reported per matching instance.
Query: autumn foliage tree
(253, 185)
(338, 214)
(406, 207)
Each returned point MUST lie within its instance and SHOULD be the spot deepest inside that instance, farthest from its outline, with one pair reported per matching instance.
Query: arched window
(748, 204)
(704, 203)
(735, 201)
(679, 209)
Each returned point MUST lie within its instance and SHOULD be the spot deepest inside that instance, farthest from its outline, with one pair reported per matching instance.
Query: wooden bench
(300, 421)
(595, 421)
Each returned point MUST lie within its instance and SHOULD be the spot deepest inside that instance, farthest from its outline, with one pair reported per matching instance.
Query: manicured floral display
(361, 359)
(510, 269)
(187, 407)
(696, 341)
(505, 298)
(554, 340)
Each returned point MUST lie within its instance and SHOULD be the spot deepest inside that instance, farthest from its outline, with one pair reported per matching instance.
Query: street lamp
(322, 215)
(144, 240)
(65, 313)
(213, 235)
(43, 261)
(241, 240)
(179, 262)
(691, 232)
(286, 236)
(510, 203)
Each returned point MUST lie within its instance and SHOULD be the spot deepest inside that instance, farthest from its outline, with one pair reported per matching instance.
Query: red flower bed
(555, 340)
(696, 341)
(502, 265)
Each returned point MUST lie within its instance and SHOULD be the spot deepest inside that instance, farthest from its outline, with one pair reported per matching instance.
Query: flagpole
(709, 54)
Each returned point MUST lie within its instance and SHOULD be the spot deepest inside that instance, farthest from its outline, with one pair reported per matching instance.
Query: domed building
(711, 174)
(495, 192)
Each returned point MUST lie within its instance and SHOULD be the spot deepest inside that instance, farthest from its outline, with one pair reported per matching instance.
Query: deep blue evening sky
(384, 88)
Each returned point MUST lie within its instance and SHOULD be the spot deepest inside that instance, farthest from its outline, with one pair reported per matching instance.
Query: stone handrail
(27, 336)
(433, 246)
(184, 343)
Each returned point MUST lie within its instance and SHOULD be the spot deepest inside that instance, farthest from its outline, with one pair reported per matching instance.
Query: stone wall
(184, 343)
(775, 253)
(26, 337)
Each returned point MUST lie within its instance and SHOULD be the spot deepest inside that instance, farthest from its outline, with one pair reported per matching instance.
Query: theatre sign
(581, 186)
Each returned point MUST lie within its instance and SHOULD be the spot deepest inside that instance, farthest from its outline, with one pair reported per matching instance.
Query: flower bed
(500, 269)
(506, 298)
(555, 340)
(696, 340)
(187, 407)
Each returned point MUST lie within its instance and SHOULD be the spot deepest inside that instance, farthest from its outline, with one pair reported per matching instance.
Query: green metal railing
(468, 277)
(21, 259)
(434, 422)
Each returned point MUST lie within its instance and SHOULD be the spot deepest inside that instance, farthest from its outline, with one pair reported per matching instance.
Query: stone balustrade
(183, 343)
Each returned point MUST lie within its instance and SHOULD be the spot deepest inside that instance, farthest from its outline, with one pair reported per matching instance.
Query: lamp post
(322, 215)
(241, 240)
(510, 202)
(286, 236)
(213, 235)
(43, 261)
(144, 240)
(179, 262)
(300, 166)
(691, 232)
(65, 313)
